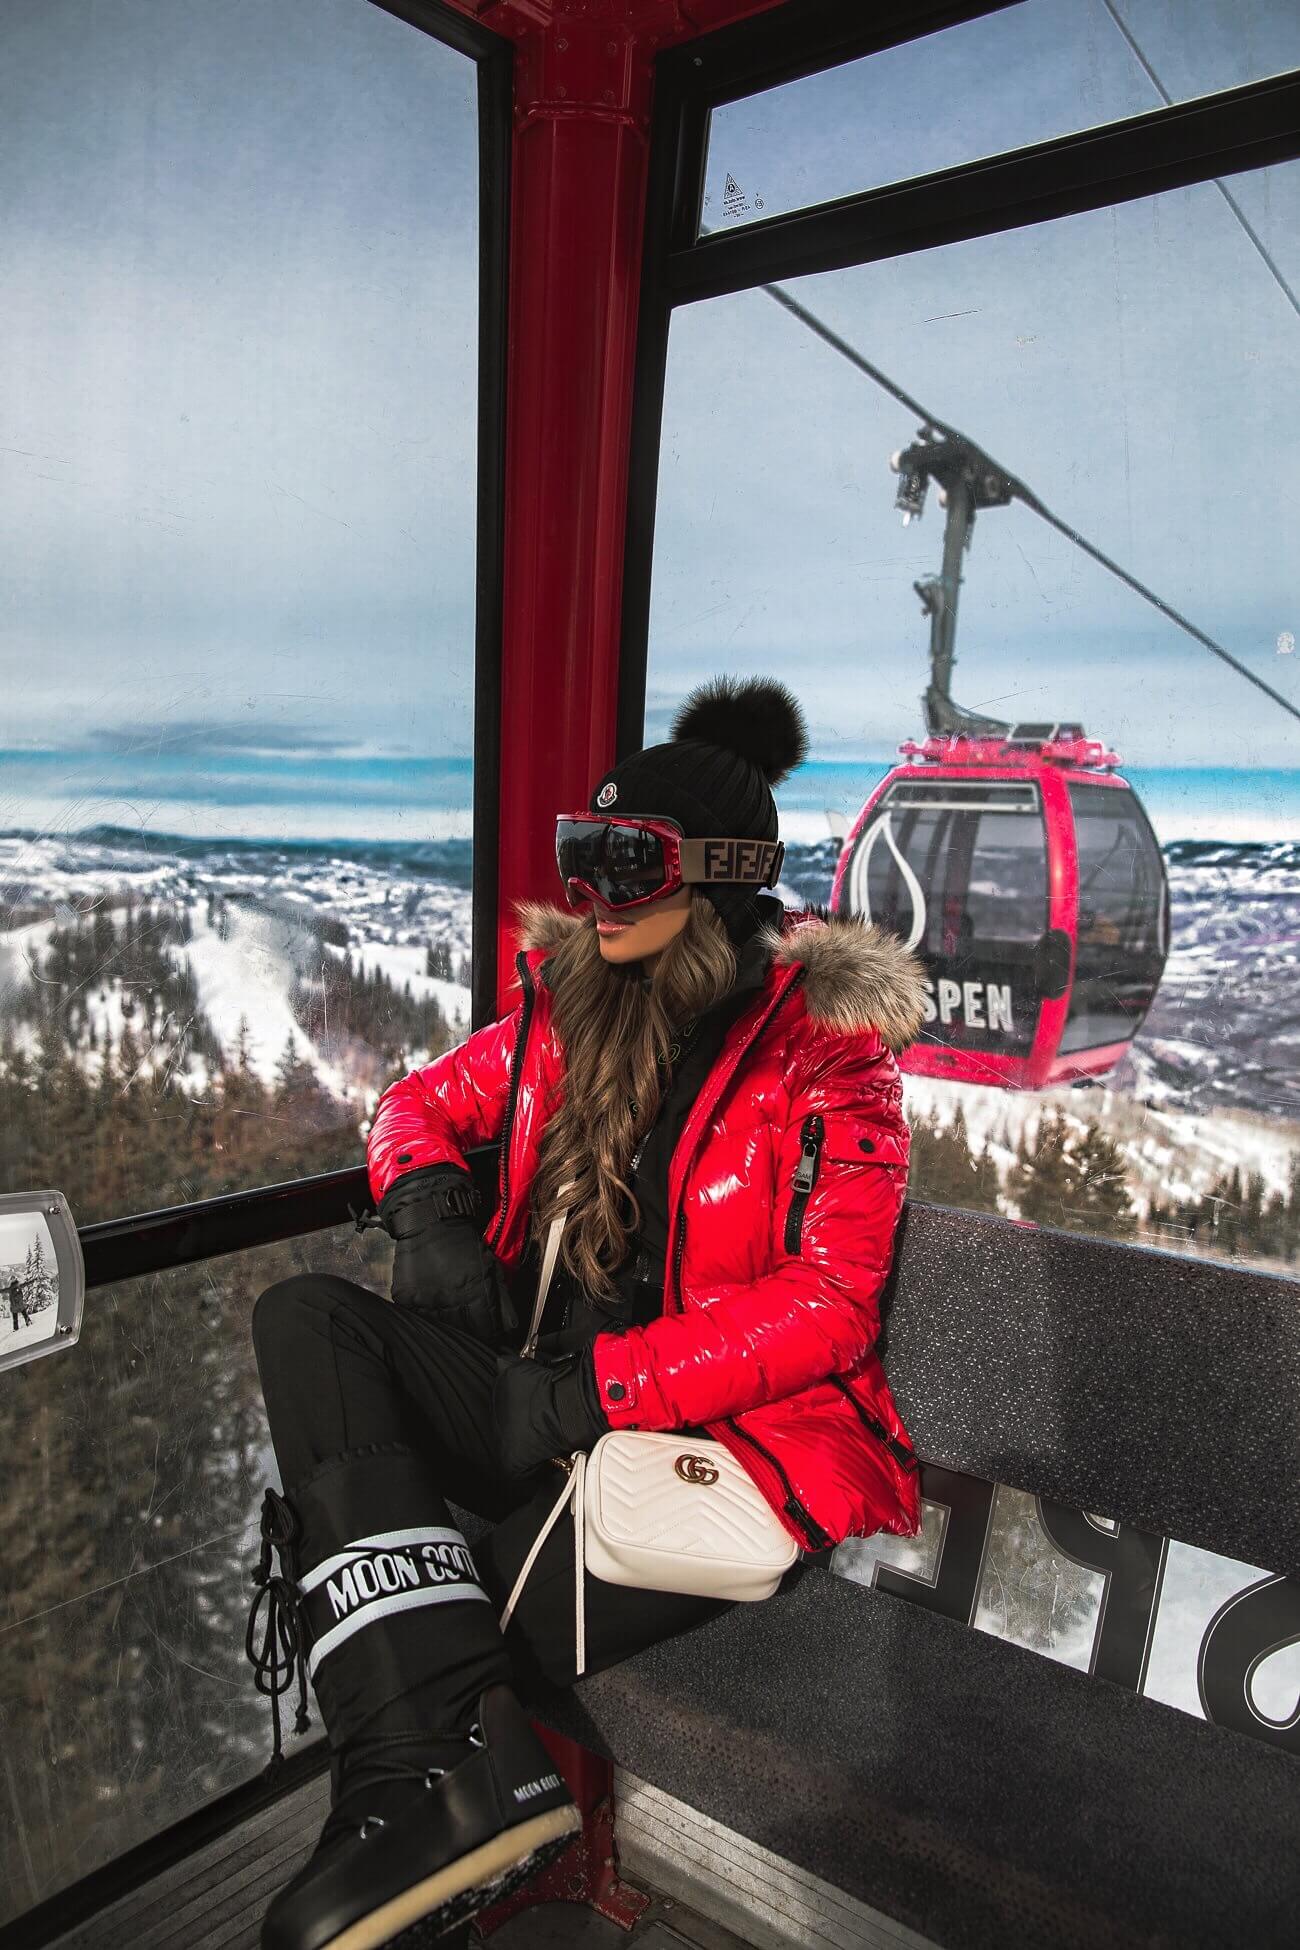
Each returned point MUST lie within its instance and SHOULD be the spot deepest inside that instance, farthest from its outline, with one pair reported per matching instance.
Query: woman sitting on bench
(699, 1087)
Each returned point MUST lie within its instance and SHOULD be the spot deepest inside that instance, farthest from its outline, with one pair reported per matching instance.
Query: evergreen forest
(135, 1460)
(1070, 1173)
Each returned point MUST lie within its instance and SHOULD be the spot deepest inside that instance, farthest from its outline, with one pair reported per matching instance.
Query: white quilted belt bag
(662, 1512)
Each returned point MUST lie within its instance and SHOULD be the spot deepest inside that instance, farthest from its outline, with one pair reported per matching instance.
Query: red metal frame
(584, 72)
(1053, 767)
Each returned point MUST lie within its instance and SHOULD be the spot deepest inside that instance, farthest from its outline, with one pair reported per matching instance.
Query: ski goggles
(630, 862)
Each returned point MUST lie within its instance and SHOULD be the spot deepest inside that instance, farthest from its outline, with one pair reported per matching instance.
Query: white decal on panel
(859, 894)
(998, 1002)
(976, 1005)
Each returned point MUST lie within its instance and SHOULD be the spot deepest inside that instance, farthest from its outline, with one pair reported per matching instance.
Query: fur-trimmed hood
(856, 976)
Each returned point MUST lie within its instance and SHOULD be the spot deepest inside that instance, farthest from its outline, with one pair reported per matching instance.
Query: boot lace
(374, 1763)
(282, 1653)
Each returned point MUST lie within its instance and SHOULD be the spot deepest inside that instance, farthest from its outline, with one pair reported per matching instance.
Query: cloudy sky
(1137, 367)
(237, 424)
(238, 340)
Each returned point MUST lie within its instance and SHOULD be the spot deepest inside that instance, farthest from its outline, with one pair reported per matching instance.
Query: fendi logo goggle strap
(748, 863)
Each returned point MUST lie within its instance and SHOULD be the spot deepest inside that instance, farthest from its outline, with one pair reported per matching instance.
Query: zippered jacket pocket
(812, 1135)
(850, 1138)
(902, 1453)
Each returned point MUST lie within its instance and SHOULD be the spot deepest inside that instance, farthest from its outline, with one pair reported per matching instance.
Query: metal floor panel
(215, 1899)
(774, 1905)
(561, 1926)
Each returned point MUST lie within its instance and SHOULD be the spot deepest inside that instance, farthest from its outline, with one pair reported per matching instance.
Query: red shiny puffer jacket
(771, 1308)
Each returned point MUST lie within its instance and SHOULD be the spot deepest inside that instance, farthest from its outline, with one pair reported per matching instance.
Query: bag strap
(575, 1479)
(552, 1252)
(574, 1491)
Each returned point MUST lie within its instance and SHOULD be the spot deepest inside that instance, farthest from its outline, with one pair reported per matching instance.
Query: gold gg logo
(695, 1469)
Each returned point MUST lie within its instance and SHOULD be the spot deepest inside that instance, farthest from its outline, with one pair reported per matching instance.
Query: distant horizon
(243, 797)
(886, 755)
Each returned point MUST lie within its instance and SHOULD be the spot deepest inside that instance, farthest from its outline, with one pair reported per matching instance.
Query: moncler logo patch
(607, 795)
(398, 1570)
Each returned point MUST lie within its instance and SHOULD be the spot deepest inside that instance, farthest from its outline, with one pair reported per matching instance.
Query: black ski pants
(381, 1417)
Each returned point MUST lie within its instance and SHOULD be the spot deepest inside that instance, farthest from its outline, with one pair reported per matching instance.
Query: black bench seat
(974, 1791)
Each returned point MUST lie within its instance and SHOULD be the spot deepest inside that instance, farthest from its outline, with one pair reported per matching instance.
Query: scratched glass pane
(237, 651)
(1040, 69)
(916, 1557)
(127, 1537)
(238, 475)
(1109, 925)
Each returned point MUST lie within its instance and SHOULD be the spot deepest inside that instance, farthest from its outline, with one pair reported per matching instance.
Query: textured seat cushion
(976, 1792)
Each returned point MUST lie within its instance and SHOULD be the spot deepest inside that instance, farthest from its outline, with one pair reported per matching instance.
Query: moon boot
(377, 1600)
(426, 1831)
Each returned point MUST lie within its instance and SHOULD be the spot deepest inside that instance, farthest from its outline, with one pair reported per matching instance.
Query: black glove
(440, 1261)
(542, 1411)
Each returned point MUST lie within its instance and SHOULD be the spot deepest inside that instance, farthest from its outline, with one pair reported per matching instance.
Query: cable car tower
(1011, 857)
(967, 481)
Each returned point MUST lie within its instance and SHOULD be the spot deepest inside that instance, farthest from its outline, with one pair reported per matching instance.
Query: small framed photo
(42, 1277)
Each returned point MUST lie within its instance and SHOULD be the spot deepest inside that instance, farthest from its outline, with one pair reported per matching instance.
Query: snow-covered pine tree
(1041, 1182)
(1101, 1200)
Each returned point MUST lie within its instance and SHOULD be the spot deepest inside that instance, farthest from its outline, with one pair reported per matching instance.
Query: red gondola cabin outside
(1025, 874)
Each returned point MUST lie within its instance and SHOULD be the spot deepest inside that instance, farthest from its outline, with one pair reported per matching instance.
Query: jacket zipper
(512, 1095)
(816, 1537)
(674, 1295)
(678, 1255)
(898, 1450)
(811, 1136)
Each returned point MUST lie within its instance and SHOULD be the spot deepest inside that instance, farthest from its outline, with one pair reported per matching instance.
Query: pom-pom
(755, 716)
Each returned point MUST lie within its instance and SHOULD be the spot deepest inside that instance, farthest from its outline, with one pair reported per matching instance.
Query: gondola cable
(1019, 490)
(1247, 227)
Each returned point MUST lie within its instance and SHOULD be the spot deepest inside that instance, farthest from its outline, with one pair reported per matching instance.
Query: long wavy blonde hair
(616, 1033)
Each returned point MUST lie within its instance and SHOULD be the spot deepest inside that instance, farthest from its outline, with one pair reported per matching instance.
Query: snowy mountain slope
(403, 963)
(257, 915)
(244, 965)
(1224, 1029)
(1212, 1082)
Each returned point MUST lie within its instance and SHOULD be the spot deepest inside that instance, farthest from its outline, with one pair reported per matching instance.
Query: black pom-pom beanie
(732, 742)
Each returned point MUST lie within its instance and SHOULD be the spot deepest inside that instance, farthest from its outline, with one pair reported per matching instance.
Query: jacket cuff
(588, 1421)
(628, 1396)
(387, 1166)
(430, 1176)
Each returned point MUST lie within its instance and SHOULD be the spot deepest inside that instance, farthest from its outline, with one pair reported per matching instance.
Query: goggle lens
(621, 864)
